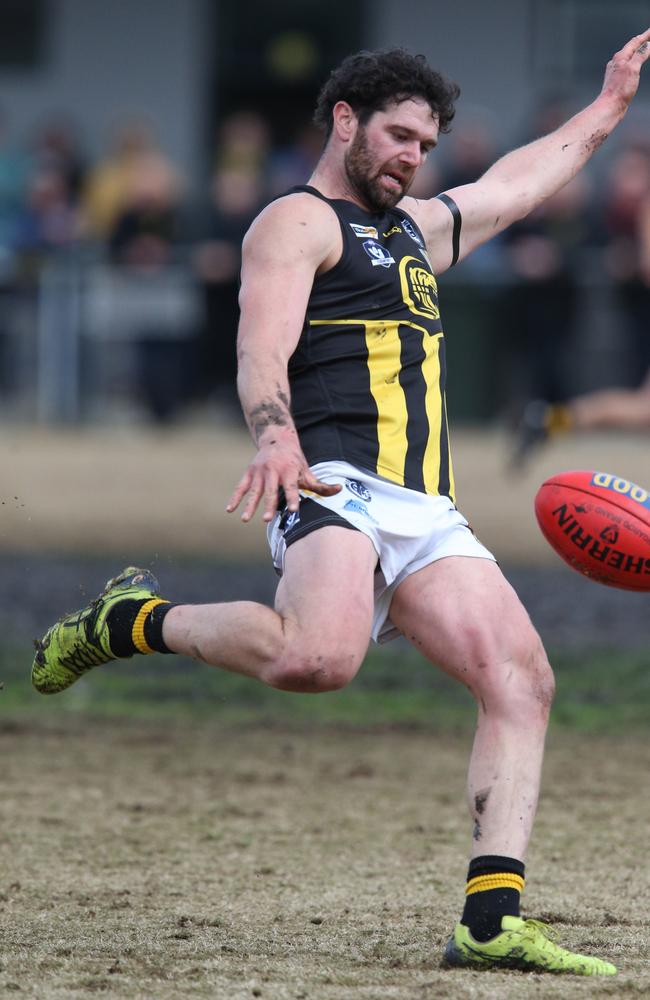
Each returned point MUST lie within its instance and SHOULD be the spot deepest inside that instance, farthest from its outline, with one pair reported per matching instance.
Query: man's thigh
(326, 590)
(463, 615)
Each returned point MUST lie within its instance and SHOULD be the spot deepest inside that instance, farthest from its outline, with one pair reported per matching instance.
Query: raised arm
(523, 179)
(282, 251)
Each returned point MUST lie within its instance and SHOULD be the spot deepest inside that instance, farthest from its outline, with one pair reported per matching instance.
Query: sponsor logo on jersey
(419, 288)
(409, 229)
(359, 489)
(359, 508)
(363, 231)
(392, 231)
(623, 487)
(379, 255)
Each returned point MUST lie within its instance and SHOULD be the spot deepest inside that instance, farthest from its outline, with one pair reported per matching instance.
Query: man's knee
(522, 681)
(314, 672)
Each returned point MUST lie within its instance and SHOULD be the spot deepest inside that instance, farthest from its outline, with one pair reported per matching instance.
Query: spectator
(236, 197)
(543, 253)
(134, 175)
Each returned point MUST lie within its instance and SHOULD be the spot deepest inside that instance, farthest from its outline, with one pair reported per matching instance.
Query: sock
(494, 886)
(558, 419)
(136, 626)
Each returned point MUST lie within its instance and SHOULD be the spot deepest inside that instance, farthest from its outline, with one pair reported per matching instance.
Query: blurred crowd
(133, 210)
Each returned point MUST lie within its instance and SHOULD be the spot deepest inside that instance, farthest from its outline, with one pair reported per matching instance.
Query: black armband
(458, 221)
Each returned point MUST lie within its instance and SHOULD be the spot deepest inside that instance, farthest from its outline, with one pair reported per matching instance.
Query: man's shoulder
(297, 219)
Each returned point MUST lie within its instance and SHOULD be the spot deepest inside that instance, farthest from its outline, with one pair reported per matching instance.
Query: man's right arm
(282, 251)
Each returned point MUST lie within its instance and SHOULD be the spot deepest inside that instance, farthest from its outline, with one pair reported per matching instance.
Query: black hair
(370, 81)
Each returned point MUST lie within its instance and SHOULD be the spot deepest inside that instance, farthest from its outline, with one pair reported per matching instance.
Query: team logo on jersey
(419, 288)
(379, 255)
(363, 231)
(359, 489)
(359, 508)
(409, 229)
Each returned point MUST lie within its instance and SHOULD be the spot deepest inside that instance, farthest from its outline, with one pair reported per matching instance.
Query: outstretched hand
(622, 73)
(278, 465)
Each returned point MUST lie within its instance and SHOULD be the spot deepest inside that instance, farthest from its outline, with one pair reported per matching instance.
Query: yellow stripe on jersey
(452, 484)
(384, 364)
(433, 404)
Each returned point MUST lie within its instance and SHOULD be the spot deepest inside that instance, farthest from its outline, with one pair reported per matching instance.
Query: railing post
(58, 347)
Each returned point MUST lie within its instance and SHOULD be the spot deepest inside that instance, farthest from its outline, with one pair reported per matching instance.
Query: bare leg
(624, 408)
(316, 637)
(465, 617)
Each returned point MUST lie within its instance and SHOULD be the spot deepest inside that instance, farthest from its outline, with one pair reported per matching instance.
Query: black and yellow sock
(136, 626)
(494, 887)
(558, 419)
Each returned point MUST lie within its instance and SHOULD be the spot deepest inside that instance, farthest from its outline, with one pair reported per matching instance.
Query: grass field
(170, 831)
(150, 860)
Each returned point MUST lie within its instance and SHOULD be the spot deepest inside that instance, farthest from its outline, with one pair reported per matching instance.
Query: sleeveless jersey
(367, 377)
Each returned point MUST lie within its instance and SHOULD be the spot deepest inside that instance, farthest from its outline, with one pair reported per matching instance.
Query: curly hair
(370, 81)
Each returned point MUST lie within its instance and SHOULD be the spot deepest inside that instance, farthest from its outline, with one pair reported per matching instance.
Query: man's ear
(345, 121)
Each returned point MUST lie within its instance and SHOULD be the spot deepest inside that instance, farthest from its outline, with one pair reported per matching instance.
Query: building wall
(484, 47)
(105, 61)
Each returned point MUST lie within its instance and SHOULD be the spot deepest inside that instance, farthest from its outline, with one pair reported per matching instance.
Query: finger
(292, 495)
(638, 44)
(240, 490)
(309, 482)
(255, 493)
(326, 489)
(270, 497)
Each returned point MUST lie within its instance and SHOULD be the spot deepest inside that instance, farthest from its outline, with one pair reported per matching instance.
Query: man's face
(385, 153)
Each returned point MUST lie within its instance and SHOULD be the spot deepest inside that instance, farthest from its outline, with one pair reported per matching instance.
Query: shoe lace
(85, 653)
(79, 659)
(540, 927)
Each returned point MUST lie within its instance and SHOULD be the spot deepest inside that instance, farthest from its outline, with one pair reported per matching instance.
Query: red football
(600, 525)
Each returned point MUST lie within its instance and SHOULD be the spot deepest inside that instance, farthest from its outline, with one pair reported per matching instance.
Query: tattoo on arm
(267, 414)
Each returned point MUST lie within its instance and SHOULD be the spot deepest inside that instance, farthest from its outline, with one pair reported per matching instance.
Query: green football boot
(522, 944)
(81, 641)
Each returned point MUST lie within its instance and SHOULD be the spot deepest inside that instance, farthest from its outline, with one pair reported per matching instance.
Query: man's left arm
(524, 178)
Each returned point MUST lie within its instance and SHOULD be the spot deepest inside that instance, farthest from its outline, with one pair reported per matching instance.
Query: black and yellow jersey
(367, 378)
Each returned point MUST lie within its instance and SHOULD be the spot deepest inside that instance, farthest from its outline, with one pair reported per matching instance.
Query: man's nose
(412, 154)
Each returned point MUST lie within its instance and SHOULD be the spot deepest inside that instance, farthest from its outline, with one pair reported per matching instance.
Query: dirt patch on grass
(147, 862)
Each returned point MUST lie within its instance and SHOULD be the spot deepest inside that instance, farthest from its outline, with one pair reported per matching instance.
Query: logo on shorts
(378, 254)
(359, 508)
(291, 521)
(359, 489)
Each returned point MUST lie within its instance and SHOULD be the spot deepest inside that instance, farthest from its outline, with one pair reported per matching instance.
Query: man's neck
(331, 180)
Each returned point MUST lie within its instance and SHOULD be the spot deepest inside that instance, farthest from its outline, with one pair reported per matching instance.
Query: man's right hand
(279, 464)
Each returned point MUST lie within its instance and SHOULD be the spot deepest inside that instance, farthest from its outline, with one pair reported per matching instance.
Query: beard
(361, 172)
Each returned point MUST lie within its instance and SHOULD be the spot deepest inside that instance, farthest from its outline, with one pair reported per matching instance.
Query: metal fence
(73, 345)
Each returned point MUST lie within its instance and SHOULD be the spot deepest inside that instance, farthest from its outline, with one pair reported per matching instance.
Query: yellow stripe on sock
(497, 880)
(137, 632)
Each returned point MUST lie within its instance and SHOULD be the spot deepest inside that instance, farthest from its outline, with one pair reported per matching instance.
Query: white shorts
(408, 529)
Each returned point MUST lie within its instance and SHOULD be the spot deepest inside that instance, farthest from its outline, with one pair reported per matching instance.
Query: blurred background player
(626, 226)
